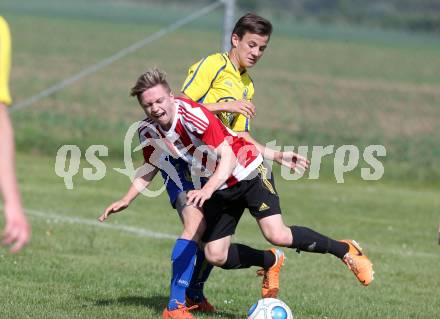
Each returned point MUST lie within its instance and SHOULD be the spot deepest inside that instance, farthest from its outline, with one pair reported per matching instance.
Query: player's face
(158, 104)
(249, 49)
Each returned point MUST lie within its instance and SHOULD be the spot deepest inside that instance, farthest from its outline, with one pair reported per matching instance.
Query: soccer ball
(269, 308)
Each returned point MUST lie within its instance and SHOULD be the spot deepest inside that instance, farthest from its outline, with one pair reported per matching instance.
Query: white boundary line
(141, 232)
(95, 223)
(111, 59)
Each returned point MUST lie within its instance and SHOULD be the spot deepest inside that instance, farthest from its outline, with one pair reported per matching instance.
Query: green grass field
(314, 86)
(75, 269)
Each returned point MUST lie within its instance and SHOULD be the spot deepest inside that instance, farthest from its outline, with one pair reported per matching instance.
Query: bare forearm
(216, 107)
(243, 107)
(224, 169)
(212, 107)
(139, 184)
(8, 181)
(266, 152)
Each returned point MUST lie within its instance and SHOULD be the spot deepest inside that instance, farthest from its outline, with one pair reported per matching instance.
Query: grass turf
(77, 270)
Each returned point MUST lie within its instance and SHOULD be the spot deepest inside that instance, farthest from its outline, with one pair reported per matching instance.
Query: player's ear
(234, 40)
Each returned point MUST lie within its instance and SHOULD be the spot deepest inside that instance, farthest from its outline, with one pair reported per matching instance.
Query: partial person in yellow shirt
(17, 230)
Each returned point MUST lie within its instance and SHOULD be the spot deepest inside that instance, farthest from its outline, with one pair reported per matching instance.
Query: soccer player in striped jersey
(156, 158)
(236, 180)
(17, 230)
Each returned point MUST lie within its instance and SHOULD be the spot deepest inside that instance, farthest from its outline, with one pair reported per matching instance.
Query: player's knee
(278, 237)
(193, 231)
(215, 256)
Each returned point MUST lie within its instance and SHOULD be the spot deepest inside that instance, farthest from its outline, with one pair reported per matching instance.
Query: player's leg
(193, 228)
(195, 292)
(223, 254)
(192, 219)
(305, 239)
(221, 222)
(239, 256)
(263, 202)
(184, 252)
(299, 237)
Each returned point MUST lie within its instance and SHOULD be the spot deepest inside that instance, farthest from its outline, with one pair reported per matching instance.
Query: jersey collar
(238, 71)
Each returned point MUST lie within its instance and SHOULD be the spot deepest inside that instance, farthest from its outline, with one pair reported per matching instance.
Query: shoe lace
(267, 276)
(263, 273)
(351, 263)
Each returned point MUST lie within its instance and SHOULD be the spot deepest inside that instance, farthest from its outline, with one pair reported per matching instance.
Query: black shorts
(224, 209)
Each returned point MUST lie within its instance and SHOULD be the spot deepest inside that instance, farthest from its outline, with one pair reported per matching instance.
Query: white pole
(228, 23)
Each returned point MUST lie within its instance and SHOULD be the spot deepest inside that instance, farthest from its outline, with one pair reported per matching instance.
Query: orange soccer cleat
(271, 278)
(203, 306)
(182, 312)
(358, 263)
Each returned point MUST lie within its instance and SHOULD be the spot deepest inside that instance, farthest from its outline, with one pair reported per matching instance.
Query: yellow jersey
(215, 79)
(5, 62)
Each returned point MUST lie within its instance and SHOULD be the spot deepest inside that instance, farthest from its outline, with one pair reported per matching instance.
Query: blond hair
(149, 79)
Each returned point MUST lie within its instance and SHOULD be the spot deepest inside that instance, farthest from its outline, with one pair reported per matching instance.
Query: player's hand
(198, 197)
(293, 161)
(17, 230)
(114, 208)
(244, 107)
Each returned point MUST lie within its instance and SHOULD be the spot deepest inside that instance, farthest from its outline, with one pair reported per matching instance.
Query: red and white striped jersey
(193, 136)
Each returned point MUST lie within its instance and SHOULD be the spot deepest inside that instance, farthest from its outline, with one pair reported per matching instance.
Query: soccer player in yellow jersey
(222, 83)
(17, 230)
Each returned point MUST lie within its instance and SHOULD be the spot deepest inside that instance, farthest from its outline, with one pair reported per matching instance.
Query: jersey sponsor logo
(227, 118)
(228, 83)
(263, 207)
(311, 247)
(245, 93)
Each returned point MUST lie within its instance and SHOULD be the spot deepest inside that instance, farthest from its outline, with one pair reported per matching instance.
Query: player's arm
(289, 159)
(244, 107)
(17, 230)
(224, 169)
(136, 187)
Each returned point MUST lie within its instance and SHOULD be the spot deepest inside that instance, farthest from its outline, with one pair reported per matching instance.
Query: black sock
(242, 256)
(305, 239)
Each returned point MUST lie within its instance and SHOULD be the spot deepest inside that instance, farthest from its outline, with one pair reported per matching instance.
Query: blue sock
(183, 259)
(202, 270)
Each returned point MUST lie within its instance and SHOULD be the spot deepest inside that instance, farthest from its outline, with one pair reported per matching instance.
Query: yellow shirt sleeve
(5, 61)
(201, 76)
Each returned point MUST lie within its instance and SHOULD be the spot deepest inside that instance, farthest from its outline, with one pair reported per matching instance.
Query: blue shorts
(183, 172)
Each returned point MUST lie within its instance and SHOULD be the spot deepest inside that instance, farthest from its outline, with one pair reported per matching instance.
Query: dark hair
(252, 23)
(149, 79)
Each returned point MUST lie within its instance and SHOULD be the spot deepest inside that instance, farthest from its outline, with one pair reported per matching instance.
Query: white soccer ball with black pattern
(269, 308)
